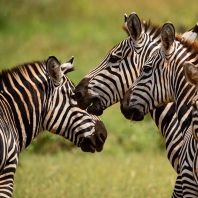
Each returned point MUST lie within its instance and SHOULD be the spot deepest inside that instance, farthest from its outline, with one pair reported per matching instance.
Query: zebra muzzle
(95, 142)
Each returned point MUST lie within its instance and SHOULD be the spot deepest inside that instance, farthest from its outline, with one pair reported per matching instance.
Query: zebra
(34, 97)
(108, 82)
(191, 75)
(162, 81)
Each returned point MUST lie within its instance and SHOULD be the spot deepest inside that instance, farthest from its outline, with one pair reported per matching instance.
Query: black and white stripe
(109, 81)
(162, 81)
(38, 96)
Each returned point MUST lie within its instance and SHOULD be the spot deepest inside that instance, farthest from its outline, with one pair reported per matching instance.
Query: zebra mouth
(132, 113)
(95, 107)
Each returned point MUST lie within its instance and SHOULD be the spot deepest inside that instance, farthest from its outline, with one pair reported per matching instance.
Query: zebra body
(162, 81)
(38, 96)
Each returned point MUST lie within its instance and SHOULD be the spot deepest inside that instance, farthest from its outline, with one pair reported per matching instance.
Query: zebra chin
(95, 142)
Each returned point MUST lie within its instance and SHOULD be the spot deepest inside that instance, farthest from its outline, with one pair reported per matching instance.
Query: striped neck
(24, 90)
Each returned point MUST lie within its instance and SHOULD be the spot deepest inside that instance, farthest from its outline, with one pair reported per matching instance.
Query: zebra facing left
(38, 96)
(162, 81)
(191, 75)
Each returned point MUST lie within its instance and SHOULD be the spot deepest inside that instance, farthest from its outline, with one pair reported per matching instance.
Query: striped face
(191, 75)
(109, 81)
(161, 80)
(64, 117)
(150, 90)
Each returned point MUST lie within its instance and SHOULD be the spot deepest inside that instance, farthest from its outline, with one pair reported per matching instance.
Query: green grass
(81, 175)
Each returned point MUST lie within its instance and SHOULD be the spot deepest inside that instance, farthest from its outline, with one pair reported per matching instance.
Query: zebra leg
(7, 175)
(178, 187)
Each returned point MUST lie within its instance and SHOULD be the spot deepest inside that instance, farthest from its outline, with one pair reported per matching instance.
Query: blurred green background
(133, 162)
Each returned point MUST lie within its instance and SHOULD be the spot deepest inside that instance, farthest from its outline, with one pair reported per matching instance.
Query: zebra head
(63, 117)
(191, 75)
(109, 81)
(161, 79)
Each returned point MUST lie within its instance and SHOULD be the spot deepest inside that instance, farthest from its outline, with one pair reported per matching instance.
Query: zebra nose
(125, 105)
(100, 135)
(95, 142)
(125, 110)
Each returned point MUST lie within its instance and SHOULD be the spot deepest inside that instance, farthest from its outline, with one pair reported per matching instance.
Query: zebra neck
(25, 96)
(183, 94)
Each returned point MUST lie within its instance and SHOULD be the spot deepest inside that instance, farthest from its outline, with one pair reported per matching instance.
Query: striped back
(38, 96)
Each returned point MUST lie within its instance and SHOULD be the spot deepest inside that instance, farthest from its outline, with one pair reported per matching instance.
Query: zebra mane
(19, 71)
(190, 47)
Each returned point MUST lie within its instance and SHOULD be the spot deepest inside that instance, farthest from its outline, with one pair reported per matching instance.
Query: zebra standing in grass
(162, 81)
(109, 81)
(38, 96)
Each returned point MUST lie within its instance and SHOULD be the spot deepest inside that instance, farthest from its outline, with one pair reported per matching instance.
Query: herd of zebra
(145, 73)
(151, 70)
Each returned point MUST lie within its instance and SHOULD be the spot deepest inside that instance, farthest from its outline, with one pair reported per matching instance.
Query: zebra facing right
(38, 96)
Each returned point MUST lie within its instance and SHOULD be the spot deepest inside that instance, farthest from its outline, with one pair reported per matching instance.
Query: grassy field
(130, 165)
(79, 175)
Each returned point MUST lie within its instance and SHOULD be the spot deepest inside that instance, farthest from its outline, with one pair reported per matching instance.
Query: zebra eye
(114, 59)
(147, 69)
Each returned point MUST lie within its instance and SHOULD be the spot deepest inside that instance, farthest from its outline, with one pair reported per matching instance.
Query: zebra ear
(191, 73)
(54, 69)
(68, 66)
(133, 25)
(167, 35)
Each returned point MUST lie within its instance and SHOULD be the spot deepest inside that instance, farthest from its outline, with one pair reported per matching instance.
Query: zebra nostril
(78, 95)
